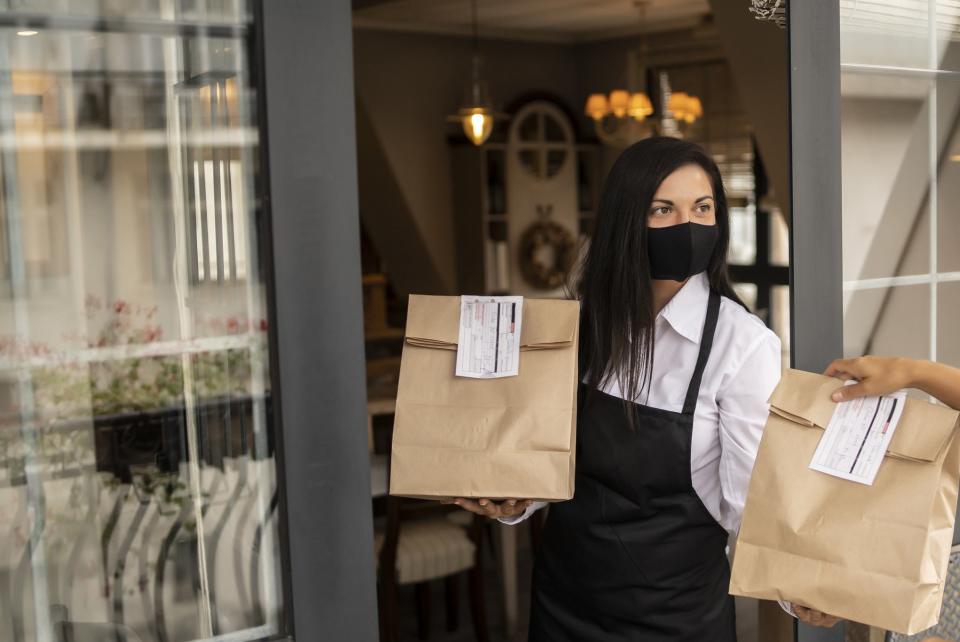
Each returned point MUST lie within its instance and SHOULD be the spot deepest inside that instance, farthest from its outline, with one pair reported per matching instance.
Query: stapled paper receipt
(489, 343)
(856, 439)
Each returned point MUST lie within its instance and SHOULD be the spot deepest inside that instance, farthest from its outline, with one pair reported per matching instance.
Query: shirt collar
(686, 312)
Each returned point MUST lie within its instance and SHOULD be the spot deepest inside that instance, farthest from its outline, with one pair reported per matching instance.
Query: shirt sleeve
(743, 408)
(516, 519)
(743, 414)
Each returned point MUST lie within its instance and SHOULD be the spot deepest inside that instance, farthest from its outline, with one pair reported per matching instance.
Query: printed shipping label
(489, 343)
(857, 437)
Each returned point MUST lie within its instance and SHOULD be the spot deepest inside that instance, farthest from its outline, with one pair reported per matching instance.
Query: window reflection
(137, 471)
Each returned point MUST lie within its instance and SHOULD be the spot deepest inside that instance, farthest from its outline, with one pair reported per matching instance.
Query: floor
(746, 609)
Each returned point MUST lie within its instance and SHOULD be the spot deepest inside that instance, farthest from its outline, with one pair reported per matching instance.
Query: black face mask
(680, 251)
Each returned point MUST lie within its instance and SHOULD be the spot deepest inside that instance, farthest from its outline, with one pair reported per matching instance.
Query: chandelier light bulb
(619, 101)
(477, 124)
(640, 106)
(597, 106)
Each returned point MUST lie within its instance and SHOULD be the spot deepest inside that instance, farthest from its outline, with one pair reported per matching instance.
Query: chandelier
(619, 118)
(684, 107)
(476, 116)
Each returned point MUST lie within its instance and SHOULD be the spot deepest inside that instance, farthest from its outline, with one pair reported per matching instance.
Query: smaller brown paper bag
(511, 437)
(871, 554)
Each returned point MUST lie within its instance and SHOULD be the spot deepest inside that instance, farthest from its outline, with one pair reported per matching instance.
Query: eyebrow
(669, 202)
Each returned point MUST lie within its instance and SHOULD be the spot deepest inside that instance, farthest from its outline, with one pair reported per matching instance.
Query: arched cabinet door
(542, 173)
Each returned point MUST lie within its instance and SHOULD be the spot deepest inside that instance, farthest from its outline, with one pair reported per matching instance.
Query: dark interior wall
(408, 84)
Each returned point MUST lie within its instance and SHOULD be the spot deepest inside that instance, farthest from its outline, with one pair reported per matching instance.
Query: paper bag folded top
(495, 438)
(871, 554)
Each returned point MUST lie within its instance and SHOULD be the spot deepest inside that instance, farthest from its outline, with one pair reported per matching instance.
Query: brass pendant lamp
(477, 115)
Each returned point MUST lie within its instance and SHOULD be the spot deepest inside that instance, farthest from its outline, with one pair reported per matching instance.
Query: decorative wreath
(546, 275)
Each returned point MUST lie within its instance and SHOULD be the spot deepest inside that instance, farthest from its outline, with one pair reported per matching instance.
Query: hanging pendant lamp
(477, 115)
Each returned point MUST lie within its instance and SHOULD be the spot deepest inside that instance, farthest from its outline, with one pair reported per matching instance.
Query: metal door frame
(311, 233)
(816, 261)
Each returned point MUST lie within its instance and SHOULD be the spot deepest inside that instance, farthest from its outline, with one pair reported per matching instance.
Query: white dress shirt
(743, 370)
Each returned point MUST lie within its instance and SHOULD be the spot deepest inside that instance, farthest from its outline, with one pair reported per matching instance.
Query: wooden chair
(419, 545)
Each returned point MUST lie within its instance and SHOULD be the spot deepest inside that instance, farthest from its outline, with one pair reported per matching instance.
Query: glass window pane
(747, 293)
(948, 180)
(137, 450)
(887, 321)
(555, 160)
(948, 34)
(779, 239)
(885, 157)
(948, 311)
(780, 304)
(743, 235)
(530, 159)
(553, 131)
(170, 11)
(530, 127)
(885, 32)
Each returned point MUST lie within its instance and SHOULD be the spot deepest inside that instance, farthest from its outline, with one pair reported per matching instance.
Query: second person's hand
(875, 376)
(492, 509)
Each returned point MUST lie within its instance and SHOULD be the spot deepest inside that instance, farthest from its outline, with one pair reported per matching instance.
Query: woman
(675, 374)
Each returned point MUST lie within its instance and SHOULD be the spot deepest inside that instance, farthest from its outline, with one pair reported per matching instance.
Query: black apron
(635, 555)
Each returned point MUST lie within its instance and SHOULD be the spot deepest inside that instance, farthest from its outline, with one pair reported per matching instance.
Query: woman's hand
(876, 376)
(491, 509)
(814, 617)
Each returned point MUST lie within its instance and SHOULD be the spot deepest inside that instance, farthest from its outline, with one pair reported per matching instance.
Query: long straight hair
(614, 287)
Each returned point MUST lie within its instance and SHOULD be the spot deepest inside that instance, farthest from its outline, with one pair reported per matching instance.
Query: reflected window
(137, 455)
(900, 146)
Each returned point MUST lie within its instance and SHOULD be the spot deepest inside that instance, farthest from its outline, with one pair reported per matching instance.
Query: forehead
(686, 180)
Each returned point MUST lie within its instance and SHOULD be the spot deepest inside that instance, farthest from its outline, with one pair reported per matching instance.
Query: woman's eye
(704, 208)
(661, 211)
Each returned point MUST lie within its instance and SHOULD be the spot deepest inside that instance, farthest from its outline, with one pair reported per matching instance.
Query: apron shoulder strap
(706, 343)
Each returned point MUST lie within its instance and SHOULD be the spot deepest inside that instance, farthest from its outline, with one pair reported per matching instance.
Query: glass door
(138, 470)
(875, 111)
(900, 162)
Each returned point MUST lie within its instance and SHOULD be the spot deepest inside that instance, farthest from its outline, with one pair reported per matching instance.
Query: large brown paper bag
(512, 437)
(872, 554)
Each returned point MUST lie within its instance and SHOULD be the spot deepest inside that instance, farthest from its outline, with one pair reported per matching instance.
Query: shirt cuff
(516, 519)
(788, 607)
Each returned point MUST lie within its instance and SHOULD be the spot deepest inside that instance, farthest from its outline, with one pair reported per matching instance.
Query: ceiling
(542, 20)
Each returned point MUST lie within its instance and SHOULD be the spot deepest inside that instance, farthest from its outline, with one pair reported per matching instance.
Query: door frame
(816, 259)
(312, 243)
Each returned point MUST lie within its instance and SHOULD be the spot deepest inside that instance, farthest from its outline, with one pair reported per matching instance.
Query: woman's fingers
(471, 505)
(814, 617)
(492, 509)
(483, 507)
(508, 508)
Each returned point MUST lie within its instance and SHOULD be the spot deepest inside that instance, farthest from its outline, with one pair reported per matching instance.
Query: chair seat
(429, 549)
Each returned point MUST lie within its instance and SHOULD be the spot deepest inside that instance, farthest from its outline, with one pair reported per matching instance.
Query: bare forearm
(937, 380)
